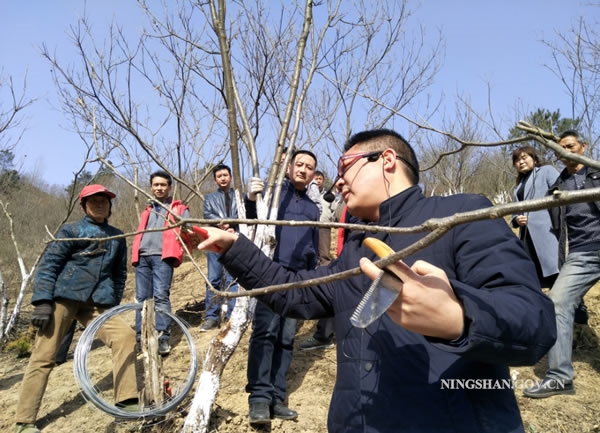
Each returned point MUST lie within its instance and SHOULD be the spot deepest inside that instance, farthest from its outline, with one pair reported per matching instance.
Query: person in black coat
(271, 344)
(470, 304)
(578, 229)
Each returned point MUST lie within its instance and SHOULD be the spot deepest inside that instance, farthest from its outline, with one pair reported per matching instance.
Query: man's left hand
(256, 187)
(41, 315)
(426, 303)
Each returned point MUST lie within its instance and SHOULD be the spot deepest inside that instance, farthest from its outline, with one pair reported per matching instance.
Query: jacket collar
(93, 221)
(394, 208)
(169, 202)
(287, 183)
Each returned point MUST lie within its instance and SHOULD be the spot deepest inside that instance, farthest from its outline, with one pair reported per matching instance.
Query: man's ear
(389, 159)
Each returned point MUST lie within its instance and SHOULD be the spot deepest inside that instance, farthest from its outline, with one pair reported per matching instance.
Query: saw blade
(379, 297)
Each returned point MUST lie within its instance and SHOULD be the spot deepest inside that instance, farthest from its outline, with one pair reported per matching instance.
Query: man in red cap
(79, 280)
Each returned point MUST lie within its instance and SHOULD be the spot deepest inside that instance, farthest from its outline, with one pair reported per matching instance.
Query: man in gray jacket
(219, 205)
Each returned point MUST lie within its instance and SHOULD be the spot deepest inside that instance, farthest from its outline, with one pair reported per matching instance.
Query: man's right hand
(217, 240)
(41, 315)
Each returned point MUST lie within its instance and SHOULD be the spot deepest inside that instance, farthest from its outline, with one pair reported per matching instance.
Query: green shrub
(22, 345)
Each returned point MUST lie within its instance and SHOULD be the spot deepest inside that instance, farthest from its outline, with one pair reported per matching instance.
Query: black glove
(41, 315)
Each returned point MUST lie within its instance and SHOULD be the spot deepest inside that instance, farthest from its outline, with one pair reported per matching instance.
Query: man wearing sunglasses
(469, 305)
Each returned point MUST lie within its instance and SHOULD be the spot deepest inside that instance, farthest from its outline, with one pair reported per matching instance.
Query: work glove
(256, 187)
(41, 315)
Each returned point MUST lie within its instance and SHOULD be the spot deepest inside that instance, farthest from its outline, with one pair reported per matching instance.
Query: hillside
(310, 382)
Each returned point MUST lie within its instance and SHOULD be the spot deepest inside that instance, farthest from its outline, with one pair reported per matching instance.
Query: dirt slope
(310, 382)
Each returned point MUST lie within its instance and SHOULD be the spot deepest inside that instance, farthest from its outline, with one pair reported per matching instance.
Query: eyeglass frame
(371, 157)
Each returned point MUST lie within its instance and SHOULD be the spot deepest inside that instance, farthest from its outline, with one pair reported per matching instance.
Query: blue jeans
(216, 273)
(269, 355)
(577, 276)
(153, 278)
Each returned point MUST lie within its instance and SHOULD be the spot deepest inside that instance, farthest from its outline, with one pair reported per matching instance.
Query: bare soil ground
(310, 382)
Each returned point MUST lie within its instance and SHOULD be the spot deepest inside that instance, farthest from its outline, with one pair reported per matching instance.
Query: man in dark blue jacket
(470, 304)
(79, 280)
(272, 340)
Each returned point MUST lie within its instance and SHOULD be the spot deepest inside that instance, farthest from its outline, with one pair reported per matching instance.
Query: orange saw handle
(192, 236)
(378, 247)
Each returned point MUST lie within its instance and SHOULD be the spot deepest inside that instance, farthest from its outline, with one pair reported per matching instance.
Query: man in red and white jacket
(155, 254)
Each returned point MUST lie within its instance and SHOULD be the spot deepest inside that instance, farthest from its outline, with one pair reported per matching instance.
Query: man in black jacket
(469, 306)
(272, 339)
(578, 229)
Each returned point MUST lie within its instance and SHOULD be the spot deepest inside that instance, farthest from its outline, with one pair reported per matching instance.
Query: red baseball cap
(95, 189)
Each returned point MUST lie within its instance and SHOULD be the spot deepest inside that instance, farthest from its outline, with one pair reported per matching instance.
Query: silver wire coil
(89, 391)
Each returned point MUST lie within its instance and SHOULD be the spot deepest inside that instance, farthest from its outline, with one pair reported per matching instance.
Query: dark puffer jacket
(297, 247)
(390, 379)
(558, 214)
(81, 270)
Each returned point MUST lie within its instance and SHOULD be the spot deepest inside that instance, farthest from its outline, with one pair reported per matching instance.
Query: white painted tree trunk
(223, 345)
(7, 325)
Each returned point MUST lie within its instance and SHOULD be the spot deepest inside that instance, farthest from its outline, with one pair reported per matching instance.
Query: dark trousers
(216, 273)
(269, 355)
(325, 329)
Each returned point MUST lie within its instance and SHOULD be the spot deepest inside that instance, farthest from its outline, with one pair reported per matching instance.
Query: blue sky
(500, 42)
(486, 41)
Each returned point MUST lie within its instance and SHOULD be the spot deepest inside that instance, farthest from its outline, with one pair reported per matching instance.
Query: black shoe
(259, 413)
(130, 405)
(209, 324)
(313, 343)
(282, 412)
(549, 387)
(164, 348)
(581, 314)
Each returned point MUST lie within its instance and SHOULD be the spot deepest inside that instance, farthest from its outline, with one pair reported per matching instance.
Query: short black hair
(161, 173)
(220, 167)
(304, 152)
(570, 133)
(380, 139)
(319, 173)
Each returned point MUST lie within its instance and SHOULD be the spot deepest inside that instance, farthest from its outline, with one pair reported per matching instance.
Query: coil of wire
(80, 368)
